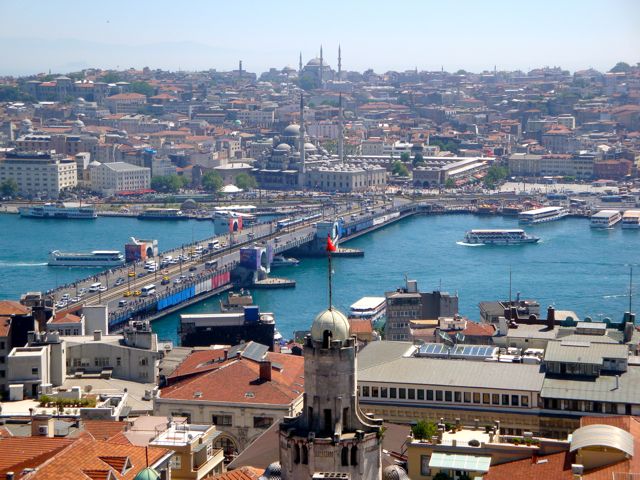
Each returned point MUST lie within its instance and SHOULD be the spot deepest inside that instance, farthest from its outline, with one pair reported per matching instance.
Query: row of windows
(227, 421)
(448, 396)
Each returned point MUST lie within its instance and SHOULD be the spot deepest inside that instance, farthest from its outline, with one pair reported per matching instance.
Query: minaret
(300, 63)
(321, 66)
(240, 69)
(340, 132)
(301, 143)
(339, 63)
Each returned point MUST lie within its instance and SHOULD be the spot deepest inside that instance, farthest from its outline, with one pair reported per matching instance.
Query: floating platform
(274, 283)
(348, 252)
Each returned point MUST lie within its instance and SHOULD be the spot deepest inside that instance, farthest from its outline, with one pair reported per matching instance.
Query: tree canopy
(110, 77)
(405, 157)
(9, 188)
(168, 183)
(399, 169)
(144, 88)
(418, 159)
(494, 175)
(424, 430)
(621, 67)
(212, 181)
(245, 181)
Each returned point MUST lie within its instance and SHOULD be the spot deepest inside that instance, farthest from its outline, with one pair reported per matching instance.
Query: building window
(448, 397)
(524, 401)
(467, 397)
(485, 398)
(402, 393)
(393, 392)
(374, 392)
(457, 397)
(411, 393)
(515, 400)
(495, 399)
(383, 392)
(34, 371)
(221, 420)
(176, 462)
(476, 397)
(438, 395)
(420, 394)
(262, 422)
(430, 395)
(118, 361)
(424, 465)
(365, 391)
(505, 399)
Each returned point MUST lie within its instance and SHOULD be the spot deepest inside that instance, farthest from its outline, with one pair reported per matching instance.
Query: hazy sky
(474, 35)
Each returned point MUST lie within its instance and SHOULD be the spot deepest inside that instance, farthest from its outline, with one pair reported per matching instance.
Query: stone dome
(283, 147)
(314, 62)
(394, 472)
(292, 130)
(332, 320)
(310, 147)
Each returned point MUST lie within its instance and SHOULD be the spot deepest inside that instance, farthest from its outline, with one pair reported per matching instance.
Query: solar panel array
(442, 350)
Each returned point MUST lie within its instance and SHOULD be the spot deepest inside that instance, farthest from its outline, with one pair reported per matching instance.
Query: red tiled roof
(103, 429)
(553, 467)
(89, 455)
(127, 96)
(199, 361)
(10, 307)
(360, 326)
(243, 473)
(28, 452)
(65, 317)
(238, 380)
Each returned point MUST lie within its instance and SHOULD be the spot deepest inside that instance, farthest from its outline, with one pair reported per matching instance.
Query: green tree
(621, 67)
(9, 93)
(495, 175)
(400, 169)
(245, 181)
(144, 88)
(424, 430)
(405, 157)
(9, 188)
(450, 183)
(212, 181)
(168, 183)
(418, 159)
(110, 77)
(448, 146)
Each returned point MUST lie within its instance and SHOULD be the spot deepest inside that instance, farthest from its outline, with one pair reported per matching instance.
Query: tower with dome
(332, 434)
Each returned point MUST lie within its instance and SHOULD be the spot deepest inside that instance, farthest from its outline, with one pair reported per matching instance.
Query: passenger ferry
(499, 237)
(282, 261)
(97, 258)
(631, 219)
(369, 308)
(162, 214)
(58, 210)
(540, 215)
(605, 218)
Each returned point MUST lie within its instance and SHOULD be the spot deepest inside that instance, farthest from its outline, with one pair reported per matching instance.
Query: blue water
(574, 267)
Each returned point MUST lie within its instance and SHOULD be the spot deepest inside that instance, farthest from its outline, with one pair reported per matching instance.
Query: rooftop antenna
(630, 286)
(331, 247)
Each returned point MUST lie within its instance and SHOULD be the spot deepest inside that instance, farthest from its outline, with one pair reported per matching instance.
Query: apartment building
(110, 178)
(39, 174)
(129, 103)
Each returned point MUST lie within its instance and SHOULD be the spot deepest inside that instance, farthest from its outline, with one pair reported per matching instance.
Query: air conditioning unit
(43, 430)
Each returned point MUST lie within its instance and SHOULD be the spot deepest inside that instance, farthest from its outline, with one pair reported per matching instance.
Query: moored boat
(96, 258)
(59, 210)
(499, 237)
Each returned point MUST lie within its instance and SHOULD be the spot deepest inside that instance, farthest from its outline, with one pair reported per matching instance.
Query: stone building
(332, 434)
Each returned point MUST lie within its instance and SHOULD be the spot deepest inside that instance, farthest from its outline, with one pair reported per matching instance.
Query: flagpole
(330, 282)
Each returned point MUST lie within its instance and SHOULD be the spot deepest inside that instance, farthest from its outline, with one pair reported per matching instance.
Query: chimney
(617, 382)
(629, 326)
(9, 475)
(551, 317)
(97, 335)
(265, 370)
(226, 354)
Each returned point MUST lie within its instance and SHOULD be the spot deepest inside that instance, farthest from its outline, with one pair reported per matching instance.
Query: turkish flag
(330, 245)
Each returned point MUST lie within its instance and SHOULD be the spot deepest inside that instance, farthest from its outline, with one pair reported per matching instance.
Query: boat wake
(470, 244)
(21, 264)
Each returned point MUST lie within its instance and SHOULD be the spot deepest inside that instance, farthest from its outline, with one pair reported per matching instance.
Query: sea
(573, 267)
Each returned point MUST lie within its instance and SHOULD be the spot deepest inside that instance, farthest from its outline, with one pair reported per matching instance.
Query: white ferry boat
(369, 308)
(605, 218)
(59, 210)
(282, 261)
(540, 215)
(97, 258)
(631, 219)
(162, 214)
(499, 237)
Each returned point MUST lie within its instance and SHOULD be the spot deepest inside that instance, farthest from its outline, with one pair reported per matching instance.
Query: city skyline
(399, 37)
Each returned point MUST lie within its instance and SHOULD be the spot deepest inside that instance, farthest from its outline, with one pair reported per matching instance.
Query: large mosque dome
(292, 130)
(332, 320)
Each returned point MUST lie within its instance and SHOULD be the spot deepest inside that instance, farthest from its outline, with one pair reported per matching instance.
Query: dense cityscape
(189, 287)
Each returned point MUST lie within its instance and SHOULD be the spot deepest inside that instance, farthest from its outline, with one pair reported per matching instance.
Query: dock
(348, 252)
(272, 282)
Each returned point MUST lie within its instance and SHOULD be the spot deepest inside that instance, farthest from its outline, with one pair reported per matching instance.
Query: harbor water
(573, 267)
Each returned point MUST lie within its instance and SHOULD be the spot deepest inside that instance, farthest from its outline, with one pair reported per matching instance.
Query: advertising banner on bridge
(250, 258)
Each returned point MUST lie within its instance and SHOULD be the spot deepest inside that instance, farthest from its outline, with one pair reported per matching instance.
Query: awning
(469, 463)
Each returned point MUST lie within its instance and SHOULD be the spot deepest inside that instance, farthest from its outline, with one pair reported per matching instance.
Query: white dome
(283, 147)
(332, 320)
(310, 147)
(292, 130)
